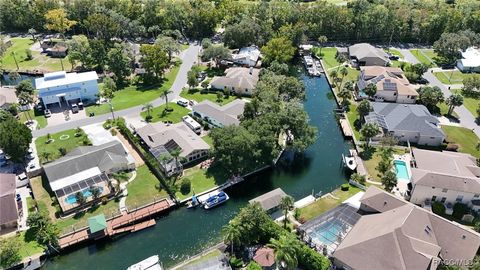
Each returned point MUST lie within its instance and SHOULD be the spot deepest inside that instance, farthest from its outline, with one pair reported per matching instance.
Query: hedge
(438, 208)
(460, 209)
(310, 259)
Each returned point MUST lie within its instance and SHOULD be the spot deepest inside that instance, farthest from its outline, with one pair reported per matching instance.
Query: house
(364, 54)
(395, 234)
(391, 83)
(219, 116)
(7, 97)
(446, 177)
(238, 80)
(270, 201)
(8, 204)
(54, 49)
(470, 61)
(162, 139)
(247, 56)
(84, 168)
(265, 257)
(412, 123)
(66, 89)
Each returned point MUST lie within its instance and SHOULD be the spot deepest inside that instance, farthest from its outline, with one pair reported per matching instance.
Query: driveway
(188, 57)
(408, 56)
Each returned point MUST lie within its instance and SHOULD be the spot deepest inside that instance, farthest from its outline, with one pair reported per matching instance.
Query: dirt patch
(138, 160)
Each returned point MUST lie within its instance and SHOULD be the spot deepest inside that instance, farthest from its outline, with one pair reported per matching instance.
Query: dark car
(393, 57)
(182, 103)
(18, 197)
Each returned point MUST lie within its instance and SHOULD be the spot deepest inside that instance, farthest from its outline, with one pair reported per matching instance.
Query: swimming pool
(327, 233)
(401, 170)
(70, 199)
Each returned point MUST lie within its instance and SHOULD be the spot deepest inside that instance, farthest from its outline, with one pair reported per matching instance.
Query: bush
(29, 54)
(310, 259)
(345, 187)
(253, 266)
(185, 186)
(148, 118)
(236, 262)
(62, 151)
(107, 124)
(113, 132)
(438, 208)
(460, 209)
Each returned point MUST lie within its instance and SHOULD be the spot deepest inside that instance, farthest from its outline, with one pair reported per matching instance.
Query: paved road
(189, 57)
(466, 118)
(408, 56)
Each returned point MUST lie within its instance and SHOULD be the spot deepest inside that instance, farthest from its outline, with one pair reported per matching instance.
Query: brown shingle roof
(8, 206)
(264, 256)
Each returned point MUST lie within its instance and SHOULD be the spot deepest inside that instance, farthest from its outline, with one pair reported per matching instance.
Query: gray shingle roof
(365, 50)
(238, 77)
(226, 114)
(8, 207)
(85, 157)
(270, 199)
(403, 117)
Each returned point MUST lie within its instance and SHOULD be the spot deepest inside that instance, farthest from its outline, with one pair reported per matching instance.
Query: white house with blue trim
(67, 88)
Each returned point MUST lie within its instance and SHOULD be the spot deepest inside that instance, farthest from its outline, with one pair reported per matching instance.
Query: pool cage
(327, 231)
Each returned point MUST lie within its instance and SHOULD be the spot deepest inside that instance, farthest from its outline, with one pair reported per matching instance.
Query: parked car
(393, 57)
(74, 108)
(18, 197)
(47, 113)
(182, 103)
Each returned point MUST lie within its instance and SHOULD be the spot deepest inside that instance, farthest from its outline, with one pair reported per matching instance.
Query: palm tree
(286, 249)
(25, 99)
(148, 107)
(80, 198)
(286, 204)
(232, 234)
(165, 96)
(322, 40)
(45, 156)
(95, 192)
(454, 101)
(334, 75)
(344, 94)
(343, 72)
(175, 153)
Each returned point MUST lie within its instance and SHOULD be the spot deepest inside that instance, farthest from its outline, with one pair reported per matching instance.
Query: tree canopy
(278, 49)
(15, 138)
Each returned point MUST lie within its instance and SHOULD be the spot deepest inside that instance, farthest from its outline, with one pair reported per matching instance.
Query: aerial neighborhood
(201, 134)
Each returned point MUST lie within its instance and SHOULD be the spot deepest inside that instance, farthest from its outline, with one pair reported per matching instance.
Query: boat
(193, 203)
(349, 161)
(215, 200)
(150, 263)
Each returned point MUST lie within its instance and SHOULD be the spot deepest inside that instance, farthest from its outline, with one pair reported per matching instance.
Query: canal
(185, 232)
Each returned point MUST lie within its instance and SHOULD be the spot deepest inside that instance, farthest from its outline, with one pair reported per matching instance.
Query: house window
(434, 198)
(443, 200)
(459, 198)
(444, 190)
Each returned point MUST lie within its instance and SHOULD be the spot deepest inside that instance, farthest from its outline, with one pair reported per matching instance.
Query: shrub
(185, 186)
(253, 266)
(460, 209)
(344, 187)
(148, 118)
(310, 259)
(296, 213)
(107, 124)
(113, 132)
(236, 262)
(29, 54)
(438, 208)
(62, 151)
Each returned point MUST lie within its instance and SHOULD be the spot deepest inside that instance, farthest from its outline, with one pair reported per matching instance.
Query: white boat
(350, 162)
(150, 263)
(216, 200)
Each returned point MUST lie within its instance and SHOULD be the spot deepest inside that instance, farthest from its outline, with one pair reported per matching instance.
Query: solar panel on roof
(83, 184)
(60, 193)
(90, 182)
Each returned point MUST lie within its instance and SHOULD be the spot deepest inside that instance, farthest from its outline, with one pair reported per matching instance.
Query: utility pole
(61, 62)
(15, 58)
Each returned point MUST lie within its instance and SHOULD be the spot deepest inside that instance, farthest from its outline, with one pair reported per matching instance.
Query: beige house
(364, 54)
(395, 234)
(392, 85)
(219, 116)
(446, 177)
(8, 205)
(238, 80)
(162, 139)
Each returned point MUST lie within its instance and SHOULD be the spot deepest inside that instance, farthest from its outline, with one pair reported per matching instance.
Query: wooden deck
(128, 222)
(360, 167)
(346, 129)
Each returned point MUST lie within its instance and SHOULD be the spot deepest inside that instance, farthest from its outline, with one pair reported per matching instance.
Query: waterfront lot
(39, 62)
(464, 137)
(371, 160)
(326, 203)
(135, 95)
(160, 114)
(354, 120)
(144, 188)
(198, 95)
(60, 141)
(202, 180)
(331, 63)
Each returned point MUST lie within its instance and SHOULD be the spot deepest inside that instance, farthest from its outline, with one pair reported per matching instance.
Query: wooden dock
(128, 222)
(346, 129)
(360, 167)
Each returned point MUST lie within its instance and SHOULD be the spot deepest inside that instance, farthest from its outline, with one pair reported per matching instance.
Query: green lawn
(449, 77)
(373, 160)
(208, 140)
(328, 57)
(134, 95)
(353, 118)
(42, 197)
(160, 114)
(198, 96)
(39, 61)
(28, 246)
(464, 137)
(36, 115)
(144, 188)
(53, 147)
(472, 104)
(201, 179)
(212, 254)
(395, 52)
(31, 205)
(322, 205)
(421, 56)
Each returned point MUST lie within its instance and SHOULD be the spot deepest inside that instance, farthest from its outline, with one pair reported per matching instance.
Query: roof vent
(463, 236)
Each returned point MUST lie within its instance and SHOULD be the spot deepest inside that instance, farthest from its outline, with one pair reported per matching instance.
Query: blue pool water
(86, 193)
(402, 171)
(327, 233)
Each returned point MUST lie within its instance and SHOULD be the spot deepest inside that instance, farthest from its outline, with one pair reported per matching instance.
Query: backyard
(326, 203)
(136, 95)
(354, 120)
(66, 139)
(161, 114)
(198, 95)
(39, 62)
(371, 160)
(464, 137)
(202, 180)
(144, 188)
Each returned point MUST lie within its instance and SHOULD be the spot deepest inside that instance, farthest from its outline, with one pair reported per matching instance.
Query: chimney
(251, 70)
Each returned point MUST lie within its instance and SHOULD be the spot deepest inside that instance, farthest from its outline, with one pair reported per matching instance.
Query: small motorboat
(150, 263)
(215, 200)
(349, 161)
(193, 203)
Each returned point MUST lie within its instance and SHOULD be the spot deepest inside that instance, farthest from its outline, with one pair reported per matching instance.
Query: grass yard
(472, 104)
(28, 246)
(328, 57)
(208, 140)
(354, 119)
(201, 179)
(373, 160)
(31, 205)
(40, 61)
(160, 114)
(144, 188)
(134, 95)
(451, 77)
(212, 254)
(198, 96)
(36, 115)
(424, 55)
(395, 52)
(326, 203)
(42, 197)
(53, 148)
(464, 137)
